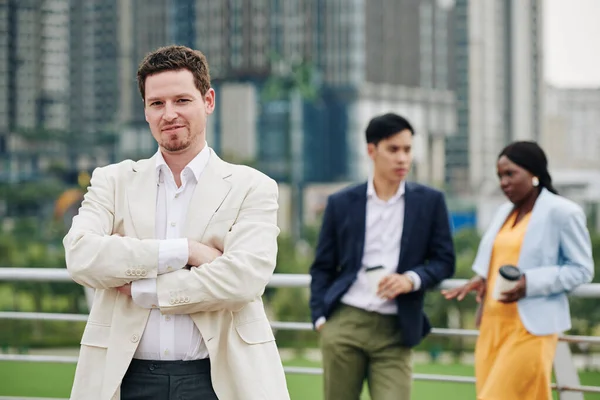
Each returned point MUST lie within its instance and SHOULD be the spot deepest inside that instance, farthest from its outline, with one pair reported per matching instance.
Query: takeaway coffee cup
(374, 275)
(508, 277)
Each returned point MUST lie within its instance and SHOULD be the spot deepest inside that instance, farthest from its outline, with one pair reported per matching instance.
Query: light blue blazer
(556, 257)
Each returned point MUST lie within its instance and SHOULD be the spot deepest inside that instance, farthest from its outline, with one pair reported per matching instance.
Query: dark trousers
(168, 380)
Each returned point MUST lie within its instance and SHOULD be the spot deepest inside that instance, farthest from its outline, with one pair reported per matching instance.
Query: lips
(171, 128)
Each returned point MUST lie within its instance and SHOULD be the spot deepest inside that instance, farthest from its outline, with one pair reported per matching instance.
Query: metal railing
(566, 375)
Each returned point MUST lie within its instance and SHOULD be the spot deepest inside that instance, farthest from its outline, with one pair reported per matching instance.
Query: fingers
(464, 290)
(510, 296)
(480, 294)
(510, 292)
(386, 287)
(453, 293)
(459, 293)
(391, 286)
(450, 294)
(386, 283)
(462, 293)
(479, 297)
(507, 299)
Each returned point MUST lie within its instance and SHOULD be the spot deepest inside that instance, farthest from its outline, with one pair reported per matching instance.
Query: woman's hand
(476, 284)
(517, 293)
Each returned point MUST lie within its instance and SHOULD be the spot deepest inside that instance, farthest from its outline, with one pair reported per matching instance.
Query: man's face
(176, 111)
(392, 157)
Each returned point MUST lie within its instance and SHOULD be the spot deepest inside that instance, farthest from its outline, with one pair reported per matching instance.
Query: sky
(571, 47)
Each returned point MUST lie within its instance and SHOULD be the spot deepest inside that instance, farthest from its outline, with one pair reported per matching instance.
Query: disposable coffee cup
(374, 275)
(507, 279)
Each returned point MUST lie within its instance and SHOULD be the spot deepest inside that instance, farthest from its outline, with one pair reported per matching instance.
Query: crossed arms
(99, 259)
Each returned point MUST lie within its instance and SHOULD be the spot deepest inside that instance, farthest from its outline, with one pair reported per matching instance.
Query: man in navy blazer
(382, 244)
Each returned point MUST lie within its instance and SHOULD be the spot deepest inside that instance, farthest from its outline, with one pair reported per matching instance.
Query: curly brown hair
(174, 58)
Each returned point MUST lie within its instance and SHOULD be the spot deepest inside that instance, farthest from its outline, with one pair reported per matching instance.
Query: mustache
(171, 124)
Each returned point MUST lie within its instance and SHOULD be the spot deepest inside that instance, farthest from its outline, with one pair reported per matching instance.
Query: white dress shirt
(384, 225)
(383, 231)
(170, 337)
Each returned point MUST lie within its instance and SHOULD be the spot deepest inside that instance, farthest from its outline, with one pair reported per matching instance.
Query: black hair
(385, 126)
(530, 156)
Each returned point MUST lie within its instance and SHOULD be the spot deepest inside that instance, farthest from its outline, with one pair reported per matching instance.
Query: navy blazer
(426, 248)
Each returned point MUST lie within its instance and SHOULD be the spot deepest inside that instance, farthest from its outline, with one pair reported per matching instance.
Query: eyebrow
(177, 96)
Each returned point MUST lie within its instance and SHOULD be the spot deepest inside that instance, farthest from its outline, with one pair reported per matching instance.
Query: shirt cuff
(415, 278)
(173, 255)
(319, 322)
(144, 293)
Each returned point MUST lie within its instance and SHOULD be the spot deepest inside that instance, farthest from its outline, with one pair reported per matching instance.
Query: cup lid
(510, 272)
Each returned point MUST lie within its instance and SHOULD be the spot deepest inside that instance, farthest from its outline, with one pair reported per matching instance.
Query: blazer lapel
(211, 190)
(141, 198)
(535, 226)
(486, 246)
(358, 215)
(411, 212)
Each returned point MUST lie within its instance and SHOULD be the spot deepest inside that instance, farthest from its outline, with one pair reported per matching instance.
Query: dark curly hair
(174, 58)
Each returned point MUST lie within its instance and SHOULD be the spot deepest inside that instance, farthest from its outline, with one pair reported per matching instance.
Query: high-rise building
(34, 38)
(94, 89)
(571, 134)
(499, 75)
(361, 57)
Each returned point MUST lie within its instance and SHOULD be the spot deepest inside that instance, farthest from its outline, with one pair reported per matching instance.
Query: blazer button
(135, 338)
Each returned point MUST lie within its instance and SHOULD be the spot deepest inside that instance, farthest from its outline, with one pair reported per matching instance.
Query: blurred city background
(296, 83)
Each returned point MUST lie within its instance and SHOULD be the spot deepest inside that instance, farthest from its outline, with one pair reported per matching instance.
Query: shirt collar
(372, 194)
(196, 166)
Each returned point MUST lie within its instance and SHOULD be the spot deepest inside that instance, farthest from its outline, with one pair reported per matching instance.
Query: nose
(504, 182)
(170, 114)
(401, 157)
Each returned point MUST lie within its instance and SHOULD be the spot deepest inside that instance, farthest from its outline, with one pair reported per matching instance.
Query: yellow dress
(510, 363)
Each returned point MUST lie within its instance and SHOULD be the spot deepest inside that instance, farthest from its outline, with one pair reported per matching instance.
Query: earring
(535, 181)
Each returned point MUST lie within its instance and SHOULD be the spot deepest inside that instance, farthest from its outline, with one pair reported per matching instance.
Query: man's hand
(201, 254)
(393, 285)
(125, 289)
(515, 294)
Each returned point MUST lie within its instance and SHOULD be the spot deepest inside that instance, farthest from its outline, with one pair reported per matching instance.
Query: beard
(177, 143)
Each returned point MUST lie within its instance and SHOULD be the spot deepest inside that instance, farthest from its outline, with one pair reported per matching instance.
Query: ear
(145, 113)
(209, 101)
(371, 150)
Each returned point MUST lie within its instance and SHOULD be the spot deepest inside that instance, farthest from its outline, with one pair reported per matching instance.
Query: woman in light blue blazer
(545, 236)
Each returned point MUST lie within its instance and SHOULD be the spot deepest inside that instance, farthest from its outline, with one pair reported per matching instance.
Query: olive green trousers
(358, 345)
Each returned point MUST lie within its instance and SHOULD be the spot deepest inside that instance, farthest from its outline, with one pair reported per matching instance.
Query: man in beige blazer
(179, 248)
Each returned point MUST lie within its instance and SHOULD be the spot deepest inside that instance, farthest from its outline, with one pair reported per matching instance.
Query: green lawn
(54, 380)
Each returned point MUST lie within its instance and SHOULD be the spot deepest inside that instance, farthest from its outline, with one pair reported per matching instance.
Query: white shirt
(170, 337)
(383, 231)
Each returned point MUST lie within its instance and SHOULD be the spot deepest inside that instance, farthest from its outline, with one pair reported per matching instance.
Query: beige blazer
(234, 209)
